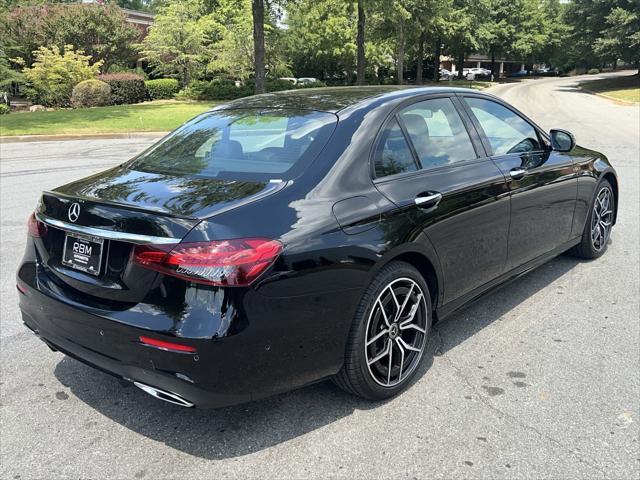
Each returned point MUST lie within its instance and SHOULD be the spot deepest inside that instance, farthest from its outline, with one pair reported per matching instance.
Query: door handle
(517, 173)
(428, 200)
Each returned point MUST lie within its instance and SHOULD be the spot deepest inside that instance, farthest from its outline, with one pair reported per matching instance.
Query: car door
(431, 164)
(542, 182)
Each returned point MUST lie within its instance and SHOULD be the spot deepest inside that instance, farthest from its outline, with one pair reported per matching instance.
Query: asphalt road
(539, 379)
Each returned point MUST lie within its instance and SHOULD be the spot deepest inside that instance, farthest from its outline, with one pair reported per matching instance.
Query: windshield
(241, 144)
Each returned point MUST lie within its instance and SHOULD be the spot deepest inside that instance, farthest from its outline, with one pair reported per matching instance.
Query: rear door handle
(428, 200)
(517, 173)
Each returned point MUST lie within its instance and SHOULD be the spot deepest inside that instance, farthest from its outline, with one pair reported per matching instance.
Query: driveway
(538, 379)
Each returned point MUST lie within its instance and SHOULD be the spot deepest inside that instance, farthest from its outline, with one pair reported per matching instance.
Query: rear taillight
(235, 262)
(36, 227)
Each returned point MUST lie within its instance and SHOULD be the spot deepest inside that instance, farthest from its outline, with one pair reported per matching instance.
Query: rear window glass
(241, 144)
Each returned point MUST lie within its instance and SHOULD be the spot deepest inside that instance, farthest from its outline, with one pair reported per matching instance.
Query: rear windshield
(241, 144)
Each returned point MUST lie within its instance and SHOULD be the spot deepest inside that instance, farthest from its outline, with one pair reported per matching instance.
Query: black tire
(357, 376)
(588, 248)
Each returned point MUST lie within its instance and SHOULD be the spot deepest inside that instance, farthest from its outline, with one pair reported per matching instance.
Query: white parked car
(289, 79)
(446, 74)
(307, 80)
(472, 73)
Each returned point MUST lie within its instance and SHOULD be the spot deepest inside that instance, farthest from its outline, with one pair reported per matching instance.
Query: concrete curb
(608, 97)
(78, 136)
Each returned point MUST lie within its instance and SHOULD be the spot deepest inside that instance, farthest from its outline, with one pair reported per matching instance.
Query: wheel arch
(611, 178)
(427, 264)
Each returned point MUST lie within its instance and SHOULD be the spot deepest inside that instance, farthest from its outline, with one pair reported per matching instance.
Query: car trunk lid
(93, 225)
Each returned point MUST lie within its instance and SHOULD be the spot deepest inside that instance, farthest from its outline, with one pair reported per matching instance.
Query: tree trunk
(436, 70)
(257, 7)
(185, 76)
(361, 66)
(493, 65)
(400, 61)
(460, 65)
(419, 65)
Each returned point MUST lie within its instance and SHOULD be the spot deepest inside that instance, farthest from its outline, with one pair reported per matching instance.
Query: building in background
(504, 66)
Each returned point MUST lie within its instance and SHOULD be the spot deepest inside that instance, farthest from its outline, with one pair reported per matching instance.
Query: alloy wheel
(602, 218)
(396, 332)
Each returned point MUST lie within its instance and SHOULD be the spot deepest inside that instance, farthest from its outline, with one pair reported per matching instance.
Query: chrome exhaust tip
(164, 395)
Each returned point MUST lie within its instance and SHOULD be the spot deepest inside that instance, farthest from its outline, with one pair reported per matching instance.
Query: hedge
(91, 93)
(219, 89)
(162, 88)
(126, 88)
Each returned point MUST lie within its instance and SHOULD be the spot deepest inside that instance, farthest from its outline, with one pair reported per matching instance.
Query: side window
(437, 133)
(506, 131)
(393, 154)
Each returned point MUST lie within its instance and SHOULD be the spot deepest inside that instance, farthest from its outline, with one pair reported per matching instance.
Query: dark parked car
(287, 238)
(519, 73)
(546, 72)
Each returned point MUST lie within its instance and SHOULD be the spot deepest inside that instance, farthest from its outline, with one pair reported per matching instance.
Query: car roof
(332, 99)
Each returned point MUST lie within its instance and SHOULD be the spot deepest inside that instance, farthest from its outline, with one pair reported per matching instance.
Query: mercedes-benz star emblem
(74, 212)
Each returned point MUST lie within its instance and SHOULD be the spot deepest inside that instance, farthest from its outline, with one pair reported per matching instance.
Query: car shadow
(244, 429)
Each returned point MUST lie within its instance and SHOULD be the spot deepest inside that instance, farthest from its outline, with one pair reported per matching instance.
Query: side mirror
(562, 141)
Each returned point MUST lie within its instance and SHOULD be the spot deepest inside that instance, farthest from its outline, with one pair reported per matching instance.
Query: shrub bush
(53, 74)
(193, 91)
(91, 93)
(279, 85)
(4, 109)
(125, 87)
(162, 88)
(593, 71)
(219, 89)
(312, 84)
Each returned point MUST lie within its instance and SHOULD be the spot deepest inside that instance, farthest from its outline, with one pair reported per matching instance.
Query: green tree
(620, 39)
(100, 31)
(177, 41)
(601, 32)
(54, 74)
(427, 25)
(398, 16)
(468, 29)
(321, 38)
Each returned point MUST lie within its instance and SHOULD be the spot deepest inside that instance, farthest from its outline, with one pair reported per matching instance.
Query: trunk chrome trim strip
(108, 234)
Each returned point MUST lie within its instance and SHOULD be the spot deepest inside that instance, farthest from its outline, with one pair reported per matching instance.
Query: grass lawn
(158, 116)
(622, 88)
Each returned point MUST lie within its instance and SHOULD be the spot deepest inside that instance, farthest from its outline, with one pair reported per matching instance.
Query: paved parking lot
(539, 379)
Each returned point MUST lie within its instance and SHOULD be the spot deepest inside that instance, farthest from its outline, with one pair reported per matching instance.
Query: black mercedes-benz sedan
(287, 238)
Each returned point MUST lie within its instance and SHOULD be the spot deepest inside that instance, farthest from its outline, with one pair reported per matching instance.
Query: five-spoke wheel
(602, 217)
(396, 332)
(597, 229)
(389, 334)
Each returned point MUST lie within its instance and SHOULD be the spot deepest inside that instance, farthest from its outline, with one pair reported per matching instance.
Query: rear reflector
(36, 227)
(235, 262)
(169, 346)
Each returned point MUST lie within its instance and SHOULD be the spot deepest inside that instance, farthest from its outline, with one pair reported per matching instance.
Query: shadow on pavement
(245, 429)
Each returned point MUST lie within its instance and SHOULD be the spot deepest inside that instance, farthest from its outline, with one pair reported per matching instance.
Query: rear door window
(437, 133)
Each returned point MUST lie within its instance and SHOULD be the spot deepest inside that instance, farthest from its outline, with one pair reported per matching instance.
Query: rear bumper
(113, 349)
(270, 346)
